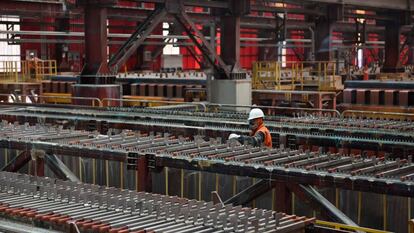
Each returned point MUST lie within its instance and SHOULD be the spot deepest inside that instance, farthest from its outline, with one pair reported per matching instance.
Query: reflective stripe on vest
(268, 138)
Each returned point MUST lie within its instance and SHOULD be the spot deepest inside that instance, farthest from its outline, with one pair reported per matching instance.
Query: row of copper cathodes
(61, 204)
(315, 120)
(171, 146)
(326, 119)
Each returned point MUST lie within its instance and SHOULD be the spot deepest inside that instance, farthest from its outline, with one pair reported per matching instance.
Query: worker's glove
(234, 136)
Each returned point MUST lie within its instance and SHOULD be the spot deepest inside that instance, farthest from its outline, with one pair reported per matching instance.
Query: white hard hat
(255, 113)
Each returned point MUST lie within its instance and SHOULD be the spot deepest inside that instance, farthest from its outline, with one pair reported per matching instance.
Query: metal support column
(283, 199)
(144, 176)
(323, 32)
(61, 53)
(213, 38)
(392, 47)
(230, 41)
(96, 80)
(39, 165)
(323, 40)
(96, 42)
(268, 53)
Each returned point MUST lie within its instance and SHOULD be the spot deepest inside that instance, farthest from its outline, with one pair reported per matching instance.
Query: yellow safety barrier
(275, 75)
(411, 226)
(266, 75)
(213, 107)
(339, 226)
(38, 69)
(57, 98)
(9, 71)
(28, 70)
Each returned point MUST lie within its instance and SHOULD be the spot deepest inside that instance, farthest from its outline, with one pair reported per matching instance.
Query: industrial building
(185, 116)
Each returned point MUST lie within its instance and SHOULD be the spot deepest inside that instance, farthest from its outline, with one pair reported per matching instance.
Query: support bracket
(249, 194)
(201, 42)
(59, 168)
(136, 39)
(312, 197)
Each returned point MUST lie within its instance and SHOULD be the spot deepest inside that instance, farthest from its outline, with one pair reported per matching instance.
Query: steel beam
(196, 57)
(60, 169)
(323, 33)
(203, 44)
(17, 162)
(311, 196)
(378, 4)
(199, 3)
(35, 7)
(136, 39)
(392, 47)
(230, 40)
(62, 24)
(268, 53)
(252, 192)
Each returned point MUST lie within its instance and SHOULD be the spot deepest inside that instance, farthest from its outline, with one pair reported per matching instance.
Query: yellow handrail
(27, 70)
(272, 75)
(339, 226)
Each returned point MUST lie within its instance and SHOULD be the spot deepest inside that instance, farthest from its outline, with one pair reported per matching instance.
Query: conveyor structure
(327, 131)
(79, 207)
(370, 174)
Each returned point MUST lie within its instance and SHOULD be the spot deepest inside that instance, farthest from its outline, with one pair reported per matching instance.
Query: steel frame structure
(398, 12)
(326, 132)
(393, 177)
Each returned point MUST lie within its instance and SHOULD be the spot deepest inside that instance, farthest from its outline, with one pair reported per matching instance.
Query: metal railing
(275, 75)
(339, 226)
(28, 70)
(38, 69)
(198, 106)
(150, 103)
(9, 71)
(50, 99)
(378, 115)
(221, 107)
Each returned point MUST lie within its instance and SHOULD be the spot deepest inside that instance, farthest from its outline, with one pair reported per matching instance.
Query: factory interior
(202, 116)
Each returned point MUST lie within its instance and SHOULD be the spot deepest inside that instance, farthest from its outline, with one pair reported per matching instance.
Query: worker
(259, 135)
(366, 73)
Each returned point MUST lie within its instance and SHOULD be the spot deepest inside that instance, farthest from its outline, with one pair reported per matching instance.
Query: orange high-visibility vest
(268, 138)
(366, 74)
